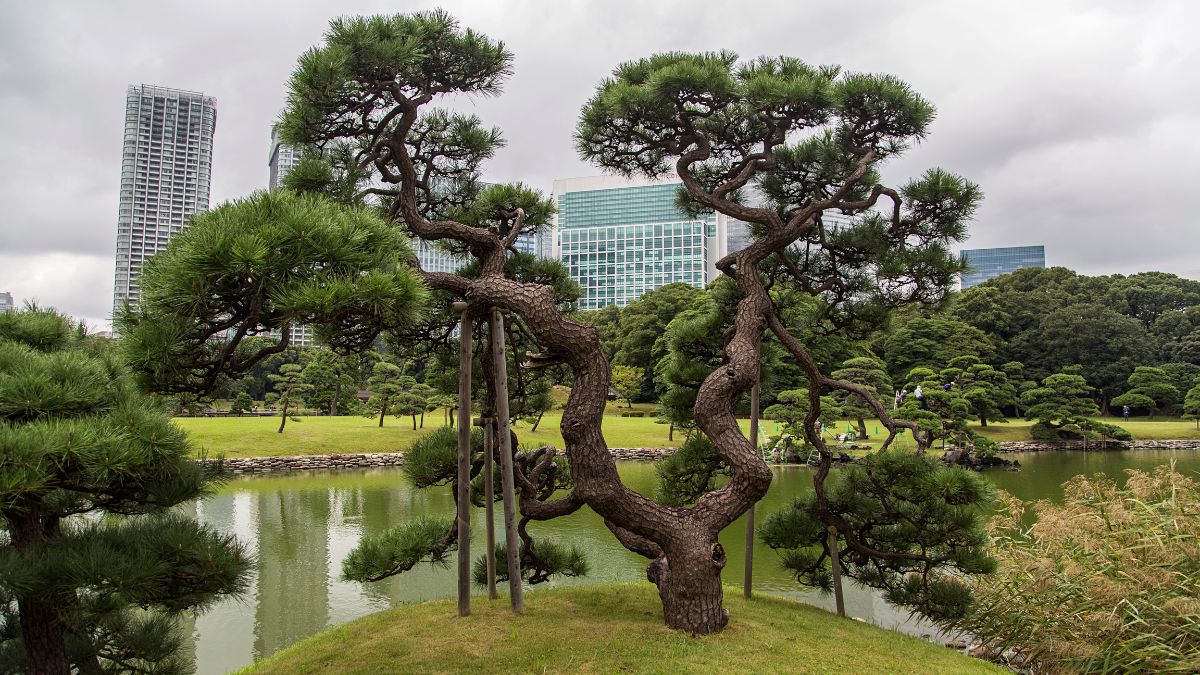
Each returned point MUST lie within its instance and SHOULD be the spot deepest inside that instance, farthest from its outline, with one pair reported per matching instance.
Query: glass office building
(620, 238)
(989, 263)
(166, 166)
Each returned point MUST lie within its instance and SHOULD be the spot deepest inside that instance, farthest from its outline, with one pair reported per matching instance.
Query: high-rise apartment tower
(166, 166)
(283, 158)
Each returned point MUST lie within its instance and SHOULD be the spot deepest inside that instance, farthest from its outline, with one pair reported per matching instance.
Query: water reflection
(301, 526)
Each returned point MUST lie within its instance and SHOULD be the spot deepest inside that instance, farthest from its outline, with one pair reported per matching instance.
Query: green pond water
(300, 526)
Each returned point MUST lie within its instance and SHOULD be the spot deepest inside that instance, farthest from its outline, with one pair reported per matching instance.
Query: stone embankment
(367, 460)
(1042, 446)
(306, 462)
(640, 454)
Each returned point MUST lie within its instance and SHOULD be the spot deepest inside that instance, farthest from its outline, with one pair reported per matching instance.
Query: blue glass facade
(618, 243)
(989, 263)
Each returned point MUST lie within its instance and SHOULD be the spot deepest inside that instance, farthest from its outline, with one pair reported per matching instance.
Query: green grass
(257, 437)
(610, 629)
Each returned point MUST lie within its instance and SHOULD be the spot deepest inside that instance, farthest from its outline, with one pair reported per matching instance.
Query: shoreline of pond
(240, 465)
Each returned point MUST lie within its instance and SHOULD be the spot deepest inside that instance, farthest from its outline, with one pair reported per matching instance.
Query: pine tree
(385, 389)
(266, 263)
(1191, 404)
(925, 521)
(870, 373)
(811, 138)
(1063, 406)
(242, 403)
(289, 391)
(99, 593)
(1150, 390)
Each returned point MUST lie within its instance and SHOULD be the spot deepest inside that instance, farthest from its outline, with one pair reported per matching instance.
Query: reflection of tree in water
(293, 567)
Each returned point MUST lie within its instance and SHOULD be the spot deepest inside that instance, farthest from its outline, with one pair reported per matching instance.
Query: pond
(300, 526)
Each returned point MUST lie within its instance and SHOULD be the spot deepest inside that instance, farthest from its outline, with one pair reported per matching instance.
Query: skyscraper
(989, 263)
(166, 166)
(6, 302)
(619, 238)
(283, 158)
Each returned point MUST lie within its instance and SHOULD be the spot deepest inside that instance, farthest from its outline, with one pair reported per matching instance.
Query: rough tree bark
(45, 648)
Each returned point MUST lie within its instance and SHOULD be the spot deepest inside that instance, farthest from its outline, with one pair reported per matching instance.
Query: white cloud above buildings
(1077, 118)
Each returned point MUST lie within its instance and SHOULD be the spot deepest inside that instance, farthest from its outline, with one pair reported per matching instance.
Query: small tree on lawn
(985, 388)
(242, 403)
(384, 384)
(792, 412)
(411, 399)
(95, 565)
(1191, 404)
(1015, 370)
(942, 413)
(1150, 390)
(628, 381)
(289, 391)
(870, 373)
(331, 385)
(1063, 406)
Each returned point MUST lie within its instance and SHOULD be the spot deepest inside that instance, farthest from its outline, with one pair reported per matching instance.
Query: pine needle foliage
(266, 263)
(922, 521)
(690, 472)
(433, 459)
(1063, 408)
(94, 566)
(400, 549)
(539, 561)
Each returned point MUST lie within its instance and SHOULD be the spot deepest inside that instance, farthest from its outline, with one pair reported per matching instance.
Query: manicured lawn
(611, 629)
(257, 437)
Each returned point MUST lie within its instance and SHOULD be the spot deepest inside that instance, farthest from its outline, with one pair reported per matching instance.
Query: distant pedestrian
(920, 395)
(1125, 413)
(898, 399)
(947, 386)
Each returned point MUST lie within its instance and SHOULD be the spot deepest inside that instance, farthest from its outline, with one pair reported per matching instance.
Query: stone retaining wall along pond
(1042, 446)
(367, 460)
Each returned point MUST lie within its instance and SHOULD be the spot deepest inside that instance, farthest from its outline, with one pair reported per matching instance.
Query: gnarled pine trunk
(689, 584)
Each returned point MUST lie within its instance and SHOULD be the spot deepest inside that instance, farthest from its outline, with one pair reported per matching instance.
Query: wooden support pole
(835, 557)
(463, 495)
(748, 579)
(489, 446)
(504, 447)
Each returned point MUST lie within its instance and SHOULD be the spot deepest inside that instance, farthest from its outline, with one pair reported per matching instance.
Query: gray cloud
(1077, 118)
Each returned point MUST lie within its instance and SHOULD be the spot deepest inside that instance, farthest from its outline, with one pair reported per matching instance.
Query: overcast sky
(1080, 120)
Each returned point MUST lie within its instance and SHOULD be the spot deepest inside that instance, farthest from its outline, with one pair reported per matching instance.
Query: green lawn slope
(257, 437)
(611, 629)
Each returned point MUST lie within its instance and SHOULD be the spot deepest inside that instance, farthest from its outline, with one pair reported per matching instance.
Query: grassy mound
(608, 629)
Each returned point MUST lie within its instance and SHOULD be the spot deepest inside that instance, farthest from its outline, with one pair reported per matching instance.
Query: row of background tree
(1027, 325)
(1032, 324)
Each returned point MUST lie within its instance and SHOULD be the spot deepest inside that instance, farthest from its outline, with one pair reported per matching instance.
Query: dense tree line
(1020, 328)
